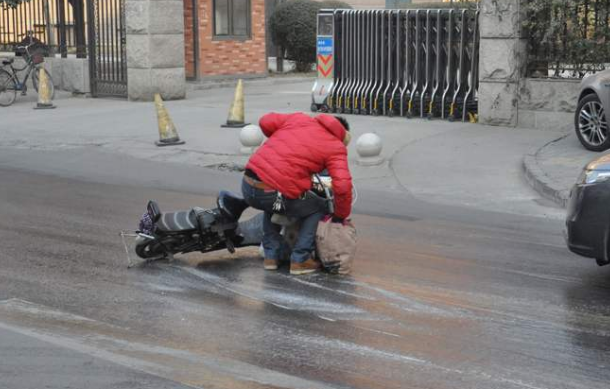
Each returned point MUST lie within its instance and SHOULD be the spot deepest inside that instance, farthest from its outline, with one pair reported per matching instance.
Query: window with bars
(231, 19)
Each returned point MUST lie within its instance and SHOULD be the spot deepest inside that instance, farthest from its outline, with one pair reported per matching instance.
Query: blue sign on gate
(325, 45)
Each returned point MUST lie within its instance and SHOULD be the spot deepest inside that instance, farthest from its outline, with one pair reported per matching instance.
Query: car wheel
(591, 125)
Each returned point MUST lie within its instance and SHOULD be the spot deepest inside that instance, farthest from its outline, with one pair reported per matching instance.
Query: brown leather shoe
(307, 267)
(270, 264)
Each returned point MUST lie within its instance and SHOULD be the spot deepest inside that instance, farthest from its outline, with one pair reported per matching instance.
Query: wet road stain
(431, 303)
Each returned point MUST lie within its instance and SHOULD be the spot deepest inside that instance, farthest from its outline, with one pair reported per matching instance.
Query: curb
(537, 178)
(230, 83)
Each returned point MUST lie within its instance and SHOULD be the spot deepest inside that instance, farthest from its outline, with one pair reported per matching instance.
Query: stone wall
(70, 74)
(155, 49)
(547, 104)
(502, 53)
(506, 97)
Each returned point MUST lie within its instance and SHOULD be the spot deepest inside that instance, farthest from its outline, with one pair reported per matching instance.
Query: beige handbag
(336, 245)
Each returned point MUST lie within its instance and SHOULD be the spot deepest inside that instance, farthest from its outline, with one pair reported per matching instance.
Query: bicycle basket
(37, 58)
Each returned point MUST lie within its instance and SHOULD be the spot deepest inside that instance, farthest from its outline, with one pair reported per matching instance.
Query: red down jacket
(299, 146)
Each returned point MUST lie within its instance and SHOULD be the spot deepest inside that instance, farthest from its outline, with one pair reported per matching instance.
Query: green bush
(334, 4)
(567, 37)
(293, 28)
(11, 3)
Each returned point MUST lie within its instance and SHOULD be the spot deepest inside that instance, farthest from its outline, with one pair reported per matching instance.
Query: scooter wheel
(149, 249)
(314, 108)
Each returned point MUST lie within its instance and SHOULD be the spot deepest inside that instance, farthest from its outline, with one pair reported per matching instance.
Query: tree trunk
(279, 60)
(78, 8)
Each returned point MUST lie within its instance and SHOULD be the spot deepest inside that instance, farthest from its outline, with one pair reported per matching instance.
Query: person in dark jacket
(298, 147)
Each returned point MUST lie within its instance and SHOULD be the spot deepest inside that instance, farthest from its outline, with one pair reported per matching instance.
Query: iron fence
(59, 24)
(404, 62)
(107, 50)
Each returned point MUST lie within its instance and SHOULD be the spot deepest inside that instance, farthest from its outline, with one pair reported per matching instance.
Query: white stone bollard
(251, 137)
(369, 149)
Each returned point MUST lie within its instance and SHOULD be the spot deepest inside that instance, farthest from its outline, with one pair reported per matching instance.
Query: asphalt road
(441, 296)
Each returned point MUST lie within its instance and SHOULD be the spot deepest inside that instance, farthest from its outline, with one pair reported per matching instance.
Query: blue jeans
(309, 211)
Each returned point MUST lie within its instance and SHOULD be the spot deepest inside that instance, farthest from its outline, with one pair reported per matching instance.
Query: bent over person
(298, 147)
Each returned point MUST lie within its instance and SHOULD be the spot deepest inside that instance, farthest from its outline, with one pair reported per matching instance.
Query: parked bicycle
(9, 75)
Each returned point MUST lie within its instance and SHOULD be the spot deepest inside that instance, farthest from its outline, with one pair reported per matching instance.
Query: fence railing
(567, 38)
(59, 24)
(409, 63)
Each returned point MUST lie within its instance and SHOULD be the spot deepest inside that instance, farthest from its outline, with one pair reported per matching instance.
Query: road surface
(441, 296)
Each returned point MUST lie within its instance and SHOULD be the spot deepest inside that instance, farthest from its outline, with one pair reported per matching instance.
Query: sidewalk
(454, 163)
(272, 79)
(553, 168)
(475, 166)
(118, 126)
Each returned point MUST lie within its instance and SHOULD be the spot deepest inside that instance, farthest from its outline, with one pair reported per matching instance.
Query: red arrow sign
(325, 58)
(326, 72)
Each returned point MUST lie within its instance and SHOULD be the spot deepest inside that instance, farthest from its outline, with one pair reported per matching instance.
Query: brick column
(155, 49)
(502, 61)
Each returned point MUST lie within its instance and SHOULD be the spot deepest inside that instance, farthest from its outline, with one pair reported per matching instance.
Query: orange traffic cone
(45, 100)
(236, 112)
(168, 135)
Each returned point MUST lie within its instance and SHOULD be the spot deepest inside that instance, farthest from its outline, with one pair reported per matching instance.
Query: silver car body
(599, 84)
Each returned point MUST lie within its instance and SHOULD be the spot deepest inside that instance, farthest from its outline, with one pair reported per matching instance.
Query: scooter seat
(177, 221)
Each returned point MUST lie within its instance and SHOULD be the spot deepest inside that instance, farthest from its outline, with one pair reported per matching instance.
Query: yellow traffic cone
(236, 112)
(44, 91)
(167, 131)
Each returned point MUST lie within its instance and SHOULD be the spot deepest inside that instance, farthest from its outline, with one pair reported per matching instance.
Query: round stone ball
(369, 145)
(251, 136)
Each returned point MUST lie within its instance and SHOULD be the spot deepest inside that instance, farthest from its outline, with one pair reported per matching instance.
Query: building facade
(224, 38)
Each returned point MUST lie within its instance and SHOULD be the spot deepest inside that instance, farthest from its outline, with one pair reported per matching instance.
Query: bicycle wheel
(35, 76)
(8, 89)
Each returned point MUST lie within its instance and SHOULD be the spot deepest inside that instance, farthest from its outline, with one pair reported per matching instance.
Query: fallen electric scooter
(162, 235)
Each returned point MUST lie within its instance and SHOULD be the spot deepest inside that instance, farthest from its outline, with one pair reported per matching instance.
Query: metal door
(107, 57)
(420, 62)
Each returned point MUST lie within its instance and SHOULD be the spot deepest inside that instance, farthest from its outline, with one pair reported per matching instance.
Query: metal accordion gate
(107, 54)
(411, 63)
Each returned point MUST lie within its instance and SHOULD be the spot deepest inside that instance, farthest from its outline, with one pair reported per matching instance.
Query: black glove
(336, 219)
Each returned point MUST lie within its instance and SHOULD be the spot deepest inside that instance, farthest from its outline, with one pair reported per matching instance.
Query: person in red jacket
(298, 147)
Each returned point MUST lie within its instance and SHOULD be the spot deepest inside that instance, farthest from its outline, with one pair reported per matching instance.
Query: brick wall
(189, 43)
(365, 4)
(226, 57)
